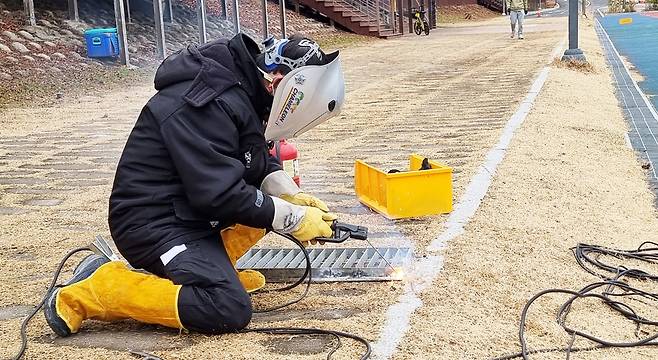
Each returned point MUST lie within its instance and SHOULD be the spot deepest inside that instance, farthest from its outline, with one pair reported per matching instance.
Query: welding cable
(53, 283)
(613, 289)
(313, 331)
(305, 277)
(589, 254)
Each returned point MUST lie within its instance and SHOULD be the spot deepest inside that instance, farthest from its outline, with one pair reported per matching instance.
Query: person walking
(517, 9)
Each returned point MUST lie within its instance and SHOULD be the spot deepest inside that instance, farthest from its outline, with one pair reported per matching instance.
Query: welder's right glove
(305, 223)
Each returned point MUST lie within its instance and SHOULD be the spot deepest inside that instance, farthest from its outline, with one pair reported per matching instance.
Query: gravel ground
(446, 96)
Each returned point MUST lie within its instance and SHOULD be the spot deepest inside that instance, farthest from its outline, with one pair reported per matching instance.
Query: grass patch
(583, 67)
(341, 40)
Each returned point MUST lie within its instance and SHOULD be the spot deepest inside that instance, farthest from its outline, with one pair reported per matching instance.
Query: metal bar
(364, 258)
(224, 9)
(266, 32)
(236, 17)
(330, 258)
(287, 259)
(73, 10)
(411, 25)
(318, 258)
(29, 12)
(170, 11)
(299, 260)
(129, 19)
(276, 259)
(267, 255)
(340, 261)
(254, 257)
(160, 41)
(120, 16)
(201, 18)
(400, 16)
(377, 17)
(283, 18)
(352, 259)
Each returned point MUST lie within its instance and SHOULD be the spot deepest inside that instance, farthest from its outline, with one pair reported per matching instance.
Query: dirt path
(445, 96)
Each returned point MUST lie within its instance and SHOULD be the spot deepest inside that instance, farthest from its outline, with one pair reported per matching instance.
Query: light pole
(573, 53)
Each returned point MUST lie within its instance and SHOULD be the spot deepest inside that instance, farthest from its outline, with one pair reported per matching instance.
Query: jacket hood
(215, 67)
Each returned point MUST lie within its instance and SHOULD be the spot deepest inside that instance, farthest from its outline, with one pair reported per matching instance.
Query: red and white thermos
(288, 156)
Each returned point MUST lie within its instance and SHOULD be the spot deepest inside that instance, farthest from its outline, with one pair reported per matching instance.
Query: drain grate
(327, 264)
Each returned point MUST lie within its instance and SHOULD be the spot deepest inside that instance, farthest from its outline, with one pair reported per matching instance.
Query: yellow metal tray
(405, 194)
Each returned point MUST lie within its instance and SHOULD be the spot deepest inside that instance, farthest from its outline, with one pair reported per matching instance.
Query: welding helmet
(311, 91)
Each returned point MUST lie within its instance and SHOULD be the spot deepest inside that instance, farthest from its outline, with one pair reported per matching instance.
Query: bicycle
(420, 22)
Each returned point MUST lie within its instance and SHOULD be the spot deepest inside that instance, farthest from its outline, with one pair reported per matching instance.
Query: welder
(195, 187)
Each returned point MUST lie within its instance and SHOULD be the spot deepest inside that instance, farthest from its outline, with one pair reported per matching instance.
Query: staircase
(365, 17)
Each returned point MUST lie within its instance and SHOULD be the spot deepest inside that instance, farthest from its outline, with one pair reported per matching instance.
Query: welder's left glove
(281, 185)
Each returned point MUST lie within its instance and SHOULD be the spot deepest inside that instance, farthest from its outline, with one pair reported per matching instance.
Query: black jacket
(196, 157)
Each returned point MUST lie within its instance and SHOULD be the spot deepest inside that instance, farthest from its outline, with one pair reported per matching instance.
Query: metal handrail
(373, 9)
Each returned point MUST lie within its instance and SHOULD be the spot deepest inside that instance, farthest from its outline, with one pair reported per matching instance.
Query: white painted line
(628, 141)
(425, 270)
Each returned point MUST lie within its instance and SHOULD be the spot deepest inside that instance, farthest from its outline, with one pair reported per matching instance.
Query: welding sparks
(397, 274)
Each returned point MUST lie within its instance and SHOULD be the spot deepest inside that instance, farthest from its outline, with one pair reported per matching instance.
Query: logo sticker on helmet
(300, 79)
(293, 100)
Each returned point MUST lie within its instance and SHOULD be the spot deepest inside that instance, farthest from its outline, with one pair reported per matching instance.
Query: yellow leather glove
(304, 199)
(315, 223)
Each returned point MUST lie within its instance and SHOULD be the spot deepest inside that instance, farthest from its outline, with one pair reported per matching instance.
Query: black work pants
(212, 299)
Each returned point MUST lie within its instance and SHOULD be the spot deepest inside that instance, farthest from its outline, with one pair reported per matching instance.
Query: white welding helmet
(307, 95)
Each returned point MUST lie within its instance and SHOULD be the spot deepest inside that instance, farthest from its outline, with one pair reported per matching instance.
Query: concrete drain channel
(328, 264)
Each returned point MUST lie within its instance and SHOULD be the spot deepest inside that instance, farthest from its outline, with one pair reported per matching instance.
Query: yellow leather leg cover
(251, 280)
(114, 292)
(238, 239)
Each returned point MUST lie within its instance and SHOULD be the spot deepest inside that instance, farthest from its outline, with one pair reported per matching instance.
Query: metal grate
(327, 264)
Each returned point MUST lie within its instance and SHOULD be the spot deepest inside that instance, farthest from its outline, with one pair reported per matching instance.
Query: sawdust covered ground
(568, 177)
(445, 96)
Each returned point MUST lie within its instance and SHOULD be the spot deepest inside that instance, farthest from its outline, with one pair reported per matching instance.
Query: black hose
(53, 283)
(306, 277)
(613, 291)
(306, 331)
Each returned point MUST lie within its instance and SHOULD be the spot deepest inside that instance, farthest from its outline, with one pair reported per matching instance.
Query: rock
(40, 70)
(28, 58)
(75, 55)
(11, 36)
(5, 48)
(59, 56)
(35, 45)
(11, 59)
(20, 47)
(46, 23)
(83, 65)
(26, 35)
(22, 72)
(76, 42)
(5, 76)
(49, 44)
(65, 32)
(43, 56)
(54, 70)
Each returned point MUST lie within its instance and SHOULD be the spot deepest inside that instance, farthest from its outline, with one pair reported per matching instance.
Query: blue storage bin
(102, 42)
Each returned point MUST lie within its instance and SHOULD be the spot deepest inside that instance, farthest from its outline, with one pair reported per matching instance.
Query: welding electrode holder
(343, 231)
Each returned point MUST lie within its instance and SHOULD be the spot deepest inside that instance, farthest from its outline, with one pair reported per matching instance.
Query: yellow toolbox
(405, 194)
